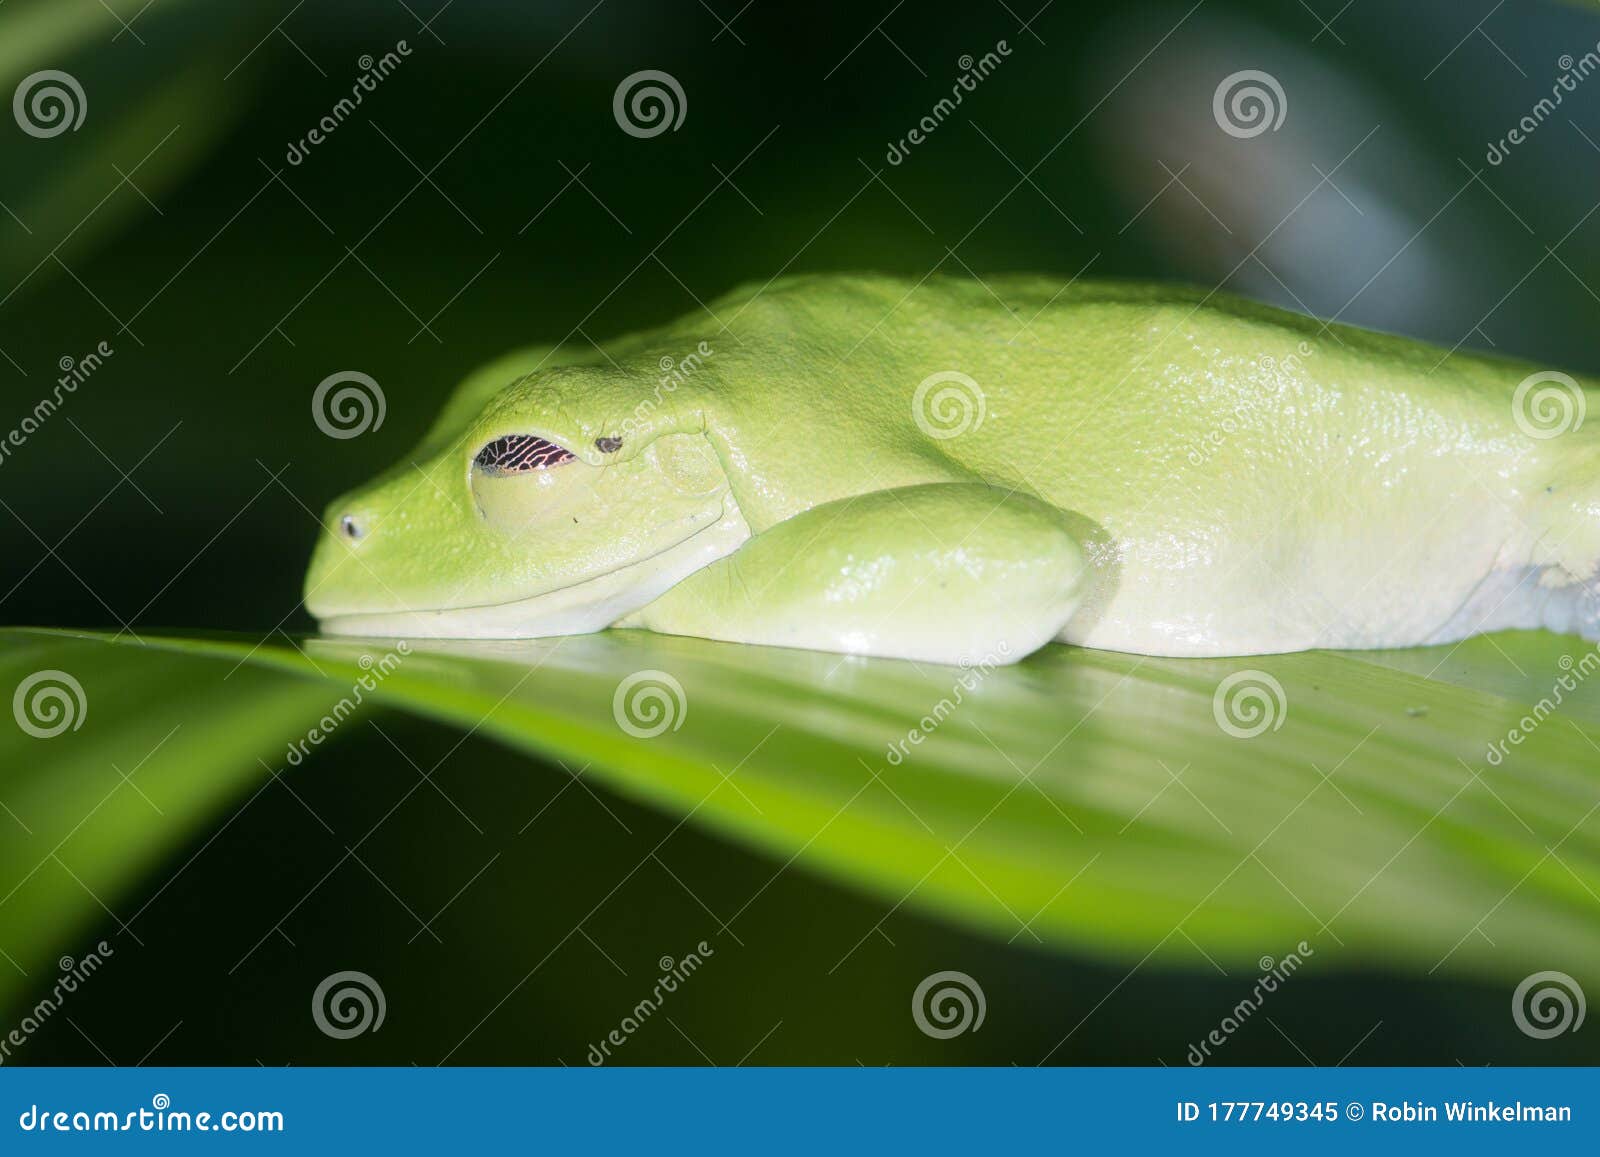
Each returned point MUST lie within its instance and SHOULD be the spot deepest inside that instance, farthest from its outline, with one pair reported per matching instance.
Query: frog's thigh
(947, 573)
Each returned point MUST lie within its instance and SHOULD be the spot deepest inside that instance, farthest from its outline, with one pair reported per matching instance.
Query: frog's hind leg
(944, 572)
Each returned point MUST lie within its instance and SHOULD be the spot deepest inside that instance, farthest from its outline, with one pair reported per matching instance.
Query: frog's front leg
(944, 572)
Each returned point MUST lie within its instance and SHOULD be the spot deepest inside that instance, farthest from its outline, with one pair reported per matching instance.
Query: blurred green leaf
(150, 113)
(1086, 798)
(162, 743)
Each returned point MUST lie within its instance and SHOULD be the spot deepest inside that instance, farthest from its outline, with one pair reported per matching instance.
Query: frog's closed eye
(520, 454)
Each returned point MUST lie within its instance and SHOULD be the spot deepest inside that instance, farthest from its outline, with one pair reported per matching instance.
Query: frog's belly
(1360, 589)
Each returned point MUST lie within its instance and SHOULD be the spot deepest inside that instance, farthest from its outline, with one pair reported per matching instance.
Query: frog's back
(1080, 391)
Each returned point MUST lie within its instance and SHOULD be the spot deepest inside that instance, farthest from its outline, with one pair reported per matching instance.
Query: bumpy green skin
(1137, 467)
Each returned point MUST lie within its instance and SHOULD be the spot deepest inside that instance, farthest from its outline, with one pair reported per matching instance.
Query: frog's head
(551, 505)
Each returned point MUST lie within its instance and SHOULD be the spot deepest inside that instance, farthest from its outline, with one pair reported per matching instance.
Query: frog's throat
(592, 605)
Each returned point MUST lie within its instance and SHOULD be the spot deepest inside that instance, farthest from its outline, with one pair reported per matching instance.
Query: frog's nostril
(351, 527)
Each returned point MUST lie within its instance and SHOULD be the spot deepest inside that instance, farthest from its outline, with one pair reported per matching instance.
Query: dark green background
(232, 295)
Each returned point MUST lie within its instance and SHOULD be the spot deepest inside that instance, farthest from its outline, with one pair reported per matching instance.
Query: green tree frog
(960, 471)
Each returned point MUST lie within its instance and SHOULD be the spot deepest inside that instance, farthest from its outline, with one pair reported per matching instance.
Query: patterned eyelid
(520, 453)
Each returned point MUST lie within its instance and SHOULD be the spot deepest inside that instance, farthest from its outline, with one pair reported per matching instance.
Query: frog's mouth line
(591, 605)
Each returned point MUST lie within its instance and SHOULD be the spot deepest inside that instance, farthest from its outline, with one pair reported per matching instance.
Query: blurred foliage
(481, 198)
(151, 125)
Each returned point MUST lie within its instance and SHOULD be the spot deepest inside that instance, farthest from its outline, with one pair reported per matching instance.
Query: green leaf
(1088, 799)
(149, 115)
(152, 746)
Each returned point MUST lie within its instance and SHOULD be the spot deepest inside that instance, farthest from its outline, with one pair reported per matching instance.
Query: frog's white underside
(1512, 598)
(1438, 581)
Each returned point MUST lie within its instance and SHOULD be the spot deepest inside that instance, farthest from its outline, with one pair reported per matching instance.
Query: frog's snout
(335, 573)
(348, 524)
